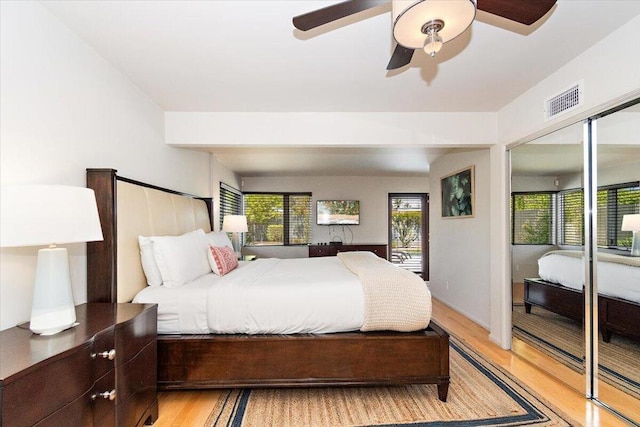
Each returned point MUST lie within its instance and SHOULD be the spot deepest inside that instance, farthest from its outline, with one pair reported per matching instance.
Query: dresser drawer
(137, 381)
(76, 413)
(323, 250)
(133, 335)
(104, 409)
(104, 352)
(54, 384)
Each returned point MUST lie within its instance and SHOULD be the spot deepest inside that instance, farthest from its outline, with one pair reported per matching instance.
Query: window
(278, 218)
(532, 216)
(230, 201)
(571, 217)
(614, 202)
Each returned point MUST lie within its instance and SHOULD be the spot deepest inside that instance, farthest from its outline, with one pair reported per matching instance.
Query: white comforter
(265, 296)
(614, 279)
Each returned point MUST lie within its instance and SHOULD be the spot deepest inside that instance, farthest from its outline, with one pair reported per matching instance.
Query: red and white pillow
(222, 259)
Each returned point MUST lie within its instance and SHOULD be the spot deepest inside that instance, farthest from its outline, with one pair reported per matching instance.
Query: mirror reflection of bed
(554, 297)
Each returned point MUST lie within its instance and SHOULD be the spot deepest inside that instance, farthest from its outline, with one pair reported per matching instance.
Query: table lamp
(632, 223)
(235, 224)
(36, 215)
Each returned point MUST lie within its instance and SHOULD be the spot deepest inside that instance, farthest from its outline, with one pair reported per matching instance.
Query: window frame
(286, 215)
(552, 217)
(614, 214)
(231, 201)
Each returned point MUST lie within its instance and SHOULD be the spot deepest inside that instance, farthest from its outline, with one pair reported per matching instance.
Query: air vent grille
(563, 102)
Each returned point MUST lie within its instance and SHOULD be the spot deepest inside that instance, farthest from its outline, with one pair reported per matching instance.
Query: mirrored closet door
(618, 272)
(574, 196)
(547, 252)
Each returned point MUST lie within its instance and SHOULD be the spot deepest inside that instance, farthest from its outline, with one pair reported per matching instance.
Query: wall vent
(564, 101)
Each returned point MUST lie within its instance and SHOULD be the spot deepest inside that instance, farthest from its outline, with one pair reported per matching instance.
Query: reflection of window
(614, 202)
(278, 218)
(532, 216)
(535, 221)
(571, 217)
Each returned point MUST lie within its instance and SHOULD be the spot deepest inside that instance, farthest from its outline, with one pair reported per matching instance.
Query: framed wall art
(458, 194)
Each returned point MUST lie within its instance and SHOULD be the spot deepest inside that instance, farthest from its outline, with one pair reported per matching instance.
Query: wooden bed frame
(615, 315)
(221, 361)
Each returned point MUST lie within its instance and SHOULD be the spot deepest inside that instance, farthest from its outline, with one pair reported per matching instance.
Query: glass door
(408, 232)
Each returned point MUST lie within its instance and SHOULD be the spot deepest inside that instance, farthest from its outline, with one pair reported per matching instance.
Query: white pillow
(219, 239)
(148, 260)
(181, 258)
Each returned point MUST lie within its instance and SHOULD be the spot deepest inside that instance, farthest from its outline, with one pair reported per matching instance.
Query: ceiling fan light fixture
(416, 20)
(433, 42)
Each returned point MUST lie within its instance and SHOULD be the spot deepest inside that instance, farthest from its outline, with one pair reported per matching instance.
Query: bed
(130, 208)
(560, 289)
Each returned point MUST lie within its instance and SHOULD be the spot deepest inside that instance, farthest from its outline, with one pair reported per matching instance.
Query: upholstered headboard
(129, 209)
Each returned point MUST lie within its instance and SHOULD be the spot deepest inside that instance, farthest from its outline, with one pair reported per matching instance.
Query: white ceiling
(245, 56)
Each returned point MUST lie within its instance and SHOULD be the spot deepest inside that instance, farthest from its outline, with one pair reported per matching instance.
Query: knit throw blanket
(395, 299)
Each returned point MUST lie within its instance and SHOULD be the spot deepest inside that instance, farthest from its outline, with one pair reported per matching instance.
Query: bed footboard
(303, 360)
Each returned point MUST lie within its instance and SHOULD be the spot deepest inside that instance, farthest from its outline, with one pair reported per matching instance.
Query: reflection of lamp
(427, 24)
(632, 223)
(235, 224)
(36, 215)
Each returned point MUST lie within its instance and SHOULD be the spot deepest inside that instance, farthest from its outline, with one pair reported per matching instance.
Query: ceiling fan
(427, 24)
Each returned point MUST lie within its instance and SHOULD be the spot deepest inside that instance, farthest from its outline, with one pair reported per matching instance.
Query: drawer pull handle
(111, 354)
(109, 395)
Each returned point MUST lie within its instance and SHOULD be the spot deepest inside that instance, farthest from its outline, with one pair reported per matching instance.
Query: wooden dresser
(332, 250)
(99, 373)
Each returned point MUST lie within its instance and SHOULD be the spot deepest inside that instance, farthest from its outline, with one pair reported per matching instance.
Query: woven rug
(563, 339)
(480, 394)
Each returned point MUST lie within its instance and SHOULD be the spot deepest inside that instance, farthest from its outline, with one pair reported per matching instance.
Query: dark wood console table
(332, 250)
(100, 373)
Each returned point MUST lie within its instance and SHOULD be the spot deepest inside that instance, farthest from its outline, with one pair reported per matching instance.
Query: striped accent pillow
(222, 259)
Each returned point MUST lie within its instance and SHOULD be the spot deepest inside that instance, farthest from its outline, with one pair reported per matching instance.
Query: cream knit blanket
(394, 299)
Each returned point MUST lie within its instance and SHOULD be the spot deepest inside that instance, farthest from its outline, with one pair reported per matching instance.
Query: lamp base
(635, 244)
(53, 309)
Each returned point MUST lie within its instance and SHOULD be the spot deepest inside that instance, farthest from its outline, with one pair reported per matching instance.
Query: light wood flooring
(191, 408)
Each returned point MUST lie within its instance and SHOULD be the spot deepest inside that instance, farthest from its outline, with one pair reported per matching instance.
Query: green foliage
(532, 213)
(406, 227)
(275, 233)
(262, 210)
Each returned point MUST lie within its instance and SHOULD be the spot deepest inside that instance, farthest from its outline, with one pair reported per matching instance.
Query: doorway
(409, 232)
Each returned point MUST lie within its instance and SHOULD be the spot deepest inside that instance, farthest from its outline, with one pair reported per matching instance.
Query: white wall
(64, 108)
(610, 70)
(373, 193)
(330, 129)
(459, 255)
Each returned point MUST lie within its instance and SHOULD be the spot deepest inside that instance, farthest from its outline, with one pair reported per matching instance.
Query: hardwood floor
(191, 408)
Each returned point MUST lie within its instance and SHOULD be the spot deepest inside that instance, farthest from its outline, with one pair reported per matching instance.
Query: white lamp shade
(410, 15)
(630, 223)
(235, 224)
(34, 215)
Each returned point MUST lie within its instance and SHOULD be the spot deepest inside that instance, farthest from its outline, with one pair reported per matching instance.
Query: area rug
(563, 339)
(480, 394)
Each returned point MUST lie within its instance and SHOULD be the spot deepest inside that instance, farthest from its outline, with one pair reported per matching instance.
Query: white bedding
(271, 296)
(614, 279)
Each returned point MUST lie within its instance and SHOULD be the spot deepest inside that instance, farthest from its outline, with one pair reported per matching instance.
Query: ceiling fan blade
(401, 57)
(523, 11)
(334, 12)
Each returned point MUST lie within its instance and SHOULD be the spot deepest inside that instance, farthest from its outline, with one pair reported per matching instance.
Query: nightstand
(101, 372)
